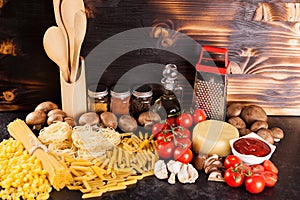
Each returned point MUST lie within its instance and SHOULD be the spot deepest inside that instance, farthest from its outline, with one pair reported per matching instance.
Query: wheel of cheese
(212, 137)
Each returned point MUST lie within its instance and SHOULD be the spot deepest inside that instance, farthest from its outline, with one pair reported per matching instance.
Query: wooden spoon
(54, 43)
(68, 11)
(80, 23)
(59, 22)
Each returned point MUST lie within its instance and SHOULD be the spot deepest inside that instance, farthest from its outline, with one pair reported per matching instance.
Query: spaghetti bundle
(57, 172)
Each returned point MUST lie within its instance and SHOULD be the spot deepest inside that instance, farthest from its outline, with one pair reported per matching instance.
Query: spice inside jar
(98, 98)
(141, 100)
(120, 100)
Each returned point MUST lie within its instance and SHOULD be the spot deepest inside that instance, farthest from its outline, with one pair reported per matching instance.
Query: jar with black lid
(120, 100)
(98, 98)
(141, 100)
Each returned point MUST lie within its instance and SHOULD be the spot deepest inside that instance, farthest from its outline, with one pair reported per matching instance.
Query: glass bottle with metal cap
(141, 100)
(168, 104)
(97, 98)
(120, 100)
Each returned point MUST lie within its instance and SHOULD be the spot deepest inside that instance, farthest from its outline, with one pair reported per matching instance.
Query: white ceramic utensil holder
(73, 95)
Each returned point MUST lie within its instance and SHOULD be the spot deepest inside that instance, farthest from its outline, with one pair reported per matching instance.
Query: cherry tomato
(270, 178)
(183, 142)
(269, 166)
(255, 184)
(245, 169)
(158, 127)
(185, 120)
(232, 161)
(181, 132)
(198, 116)
(184, 155)
(165, 149)
(171, 121)
(233, 177)
(164, 137)
(257, 169)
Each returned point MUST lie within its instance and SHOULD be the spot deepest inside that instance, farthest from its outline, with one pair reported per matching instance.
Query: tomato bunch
(255, 177)
(174, 137)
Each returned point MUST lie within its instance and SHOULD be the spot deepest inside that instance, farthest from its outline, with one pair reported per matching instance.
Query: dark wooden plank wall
(267, 53)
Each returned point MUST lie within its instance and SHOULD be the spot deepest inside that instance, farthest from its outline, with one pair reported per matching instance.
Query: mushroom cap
(234, 109)
(127, 123)
(35, 118)
(56, 111)
(54, 118)
(237, 122)
(277, 133)
(253, 113)
(70, 121)
(46, 106)
(266, 134)
(244, 131)
(259, 125)
(89, 118)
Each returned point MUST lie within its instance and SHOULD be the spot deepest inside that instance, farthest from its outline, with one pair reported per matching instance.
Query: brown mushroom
(277, 134)
(109, 119)
(127, 123)
(46, 106)
(70, 121)
(36, 119)
(237, 122)
(54, 118)
(89, 118)
(199, 161)
(216, 176)
(253, 113)
(259, 125)
(148, 118)
(57, 111)
(266, 134)
(234, 109)
(244, 131)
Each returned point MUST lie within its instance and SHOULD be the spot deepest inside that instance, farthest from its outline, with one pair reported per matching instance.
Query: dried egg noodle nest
(57, 132)
(93, 142)
(57, 137)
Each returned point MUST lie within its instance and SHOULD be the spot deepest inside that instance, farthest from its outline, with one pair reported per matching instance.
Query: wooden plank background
(267, 52)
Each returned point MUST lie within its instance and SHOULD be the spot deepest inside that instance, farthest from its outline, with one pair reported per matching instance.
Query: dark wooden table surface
(286, 157)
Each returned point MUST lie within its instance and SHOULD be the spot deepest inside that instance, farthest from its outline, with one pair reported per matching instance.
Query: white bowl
(251, 159)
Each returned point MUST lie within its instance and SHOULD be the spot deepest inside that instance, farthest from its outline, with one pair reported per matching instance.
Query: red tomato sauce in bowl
(251, 146)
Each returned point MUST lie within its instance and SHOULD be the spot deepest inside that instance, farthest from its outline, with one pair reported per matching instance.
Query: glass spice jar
(120, 100)
(98, 98)
(141, 100)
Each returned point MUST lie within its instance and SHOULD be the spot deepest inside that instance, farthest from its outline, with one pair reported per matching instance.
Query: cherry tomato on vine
(184, 155)
(158, 127)
(255, 184)
(181, 132)
(245, 169)
(198, 116)
(184, 120)
(165, 149)
(257, 169)
(164, 137)
(270, 178)
(183, 142)
(232, 161)
(270, 166)
(233, 177)
(171, 121)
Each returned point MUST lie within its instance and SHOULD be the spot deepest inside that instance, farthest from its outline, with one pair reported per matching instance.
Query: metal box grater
(210, 88)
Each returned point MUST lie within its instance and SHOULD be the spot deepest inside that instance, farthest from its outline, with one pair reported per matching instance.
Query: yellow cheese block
(212, 137)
